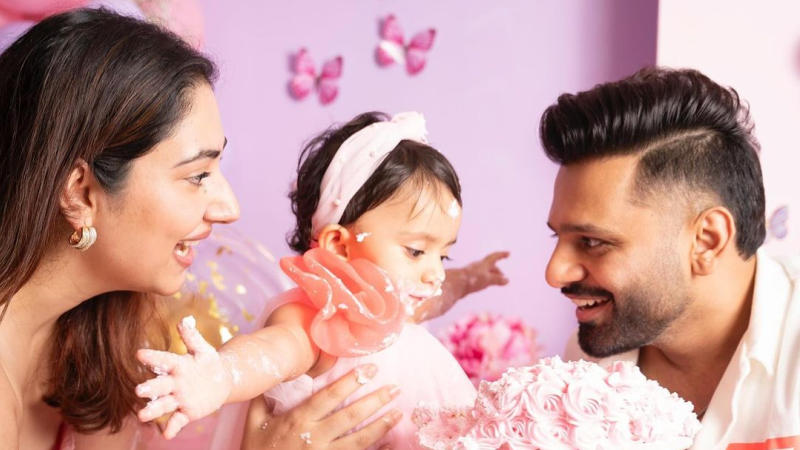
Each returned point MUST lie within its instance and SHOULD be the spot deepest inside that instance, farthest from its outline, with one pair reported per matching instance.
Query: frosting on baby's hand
(189, 386)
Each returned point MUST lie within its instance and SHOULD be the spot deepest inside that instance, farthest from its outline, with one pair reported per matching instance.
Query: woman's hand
(311, 425)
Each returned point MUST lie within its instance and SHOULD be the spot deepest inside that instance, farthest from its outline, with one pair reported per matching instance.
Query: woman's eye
(414, 253)
(198, 179)
(446, 258)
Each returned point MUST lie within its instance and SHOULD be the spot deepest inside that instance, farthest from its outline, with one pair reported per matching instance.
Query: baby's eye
(414, 253)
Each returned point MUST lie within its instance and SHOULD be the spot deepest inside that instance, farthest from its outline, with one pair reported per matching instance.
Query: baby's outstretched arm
(461, 282)
(195, 385)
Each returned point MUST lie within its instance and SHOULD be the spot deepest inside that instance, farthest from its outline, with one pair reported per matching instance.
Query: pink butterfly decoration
(393, 49)
(306, 78)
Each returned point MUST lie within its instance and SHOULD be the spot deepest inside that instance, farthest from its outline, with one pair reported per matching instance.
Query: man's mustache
(580, 290)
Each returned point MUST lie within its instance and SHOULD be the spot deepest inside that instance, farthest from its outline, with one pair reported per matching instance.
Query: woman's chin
(168, 288)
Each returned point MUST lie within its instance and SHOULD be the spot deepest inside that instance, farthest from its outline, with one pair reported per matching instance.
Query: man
(658, 210)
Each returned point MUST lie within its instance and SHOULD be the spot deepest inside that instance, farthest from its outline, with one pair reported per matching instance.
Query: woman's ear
(336, 239)
(78, 198)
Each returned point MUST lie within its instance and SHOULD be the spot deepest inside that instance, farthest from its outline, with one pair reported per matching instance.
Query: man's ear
(336, 239)
(714, 232)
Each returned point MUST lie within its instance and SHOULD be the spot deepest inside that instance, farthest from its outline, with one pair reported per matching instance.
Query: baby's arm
(198, 383)
(461, 282)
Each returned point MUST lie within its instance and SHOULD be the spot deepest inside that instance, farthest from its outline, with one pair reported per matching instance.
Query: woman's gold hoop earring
(84, 239)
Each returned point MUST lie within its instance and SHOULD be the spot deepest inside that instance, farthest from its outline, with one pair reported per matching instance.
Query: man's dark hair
(690, 132)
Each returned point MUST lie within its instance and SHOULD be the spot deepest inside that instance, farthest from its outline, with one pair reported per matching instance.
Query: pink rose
(549, 434)
(588, 434)
(489, 433)
(544, 399)
(485, 345)
(584, 400)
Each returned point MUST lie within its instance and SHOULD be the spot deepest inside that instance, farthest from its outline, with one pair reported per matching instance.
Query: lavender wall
(494, 67)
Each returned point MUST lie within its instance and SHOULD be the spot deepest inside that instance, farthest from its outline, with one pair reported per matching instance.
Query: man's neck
(691, 356)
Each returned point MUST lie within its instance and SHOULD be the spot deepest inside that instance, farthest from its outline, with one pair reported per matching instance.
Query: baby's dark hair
(409, 160)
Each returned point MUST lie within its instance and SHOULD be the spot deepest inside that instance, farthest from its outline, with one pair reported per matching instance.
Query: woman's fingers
(331, 396)
(357, 412)
(370, 434)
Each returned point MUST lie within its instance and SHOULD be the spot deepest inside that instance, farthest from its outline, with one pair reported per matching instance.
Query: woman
(109, 160)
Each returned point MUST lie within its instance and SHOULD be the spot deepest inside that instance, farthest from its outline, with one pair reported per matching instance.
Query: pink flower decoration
(487, 344)
(306, 79)
(557, 405)
(359, 311)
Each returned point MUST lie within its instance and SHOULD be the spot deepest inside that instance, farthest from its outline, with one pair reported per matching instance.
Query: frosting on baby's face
(409, 236)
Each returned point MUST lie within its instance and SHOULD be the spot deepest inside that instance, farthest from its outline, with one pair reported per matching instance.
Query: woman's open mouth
(184, 252)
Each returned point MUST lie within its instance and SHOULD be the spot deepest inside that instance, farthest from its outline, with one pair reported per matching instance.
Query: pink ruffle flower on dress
(564, 405)
(359, 311)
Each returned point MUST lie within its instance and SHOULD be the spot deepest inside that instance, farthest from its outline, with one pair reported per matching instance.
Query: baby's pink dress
(361, 320)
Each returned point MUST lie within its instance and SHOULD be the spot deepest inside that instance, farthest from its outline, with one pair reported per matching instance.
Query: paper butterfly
(306, 79)
(393, 49)
(776, 225)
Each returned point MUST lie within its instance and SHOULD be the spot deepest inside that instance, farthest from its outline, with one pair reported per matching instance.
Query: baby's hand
(484, 273)
(190, 386)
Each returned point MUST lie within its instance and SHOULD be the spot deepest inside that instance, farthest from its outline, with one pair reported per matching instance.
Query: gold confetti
(212, 265)
(213, 307)
(240, 289)
(190, 276)
(223, 249)
(247, 316)
(177, 295)
(217, 279)
(202, 286)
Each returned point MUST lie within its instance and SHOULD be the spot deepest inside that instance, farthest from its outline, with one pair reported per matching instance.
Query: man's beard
(637, 319)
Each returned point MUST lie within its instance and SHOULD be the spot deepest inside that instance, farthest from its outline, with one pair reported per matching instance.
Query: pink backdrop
(494, 67)
(728, 44)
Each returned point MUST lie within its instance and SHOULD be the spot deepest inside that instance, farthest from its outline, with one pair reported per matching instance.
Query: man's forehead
(597, 180)
(597, 193)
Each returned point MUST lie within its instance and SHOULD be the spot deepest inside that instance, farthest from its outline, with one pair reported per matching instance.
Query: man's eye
(588, 242)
